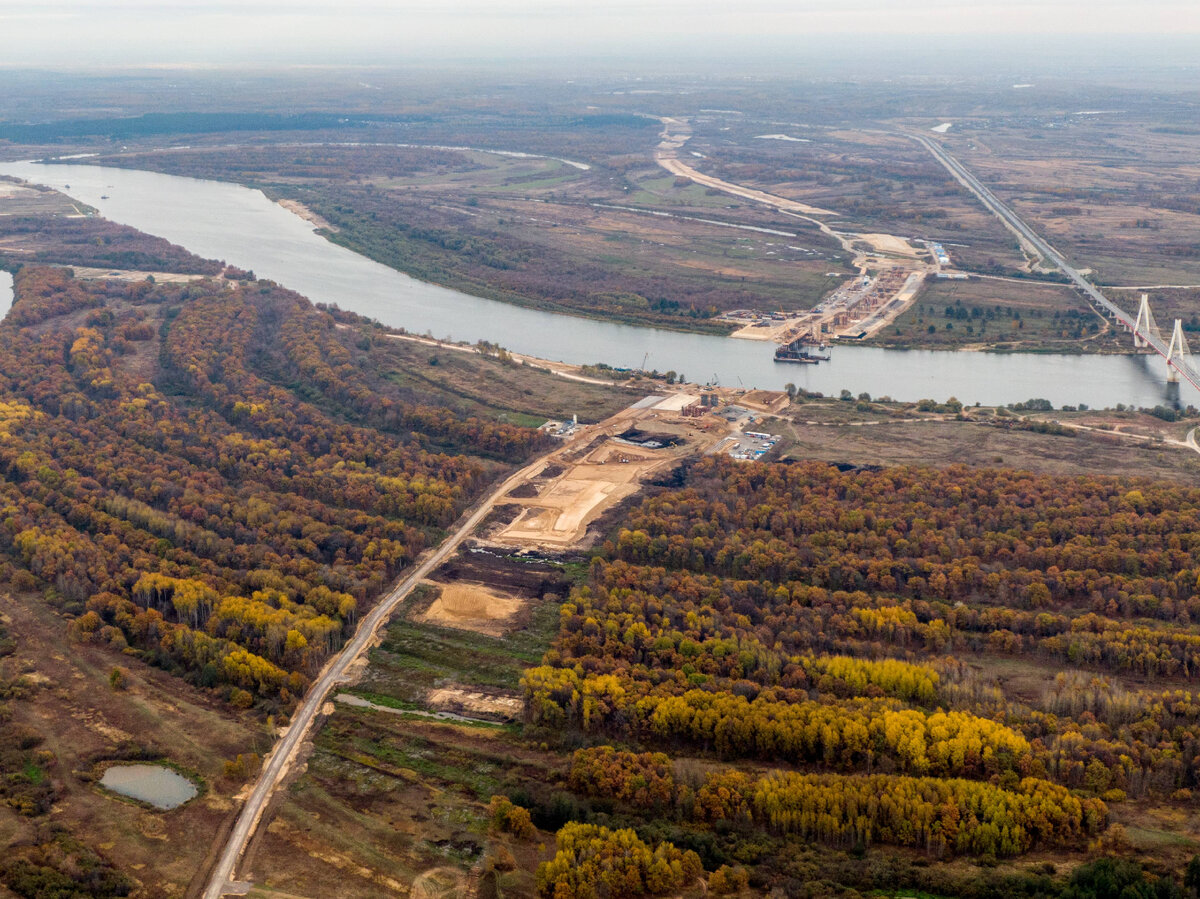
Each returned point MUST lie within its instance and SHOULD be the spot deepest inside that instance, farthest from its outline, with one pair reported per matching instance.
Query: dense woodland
(252, 497)
(820, 638)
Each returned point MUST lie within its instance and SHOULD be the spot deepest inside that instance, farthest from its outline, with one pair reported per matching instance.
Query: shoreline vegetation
(350, 216)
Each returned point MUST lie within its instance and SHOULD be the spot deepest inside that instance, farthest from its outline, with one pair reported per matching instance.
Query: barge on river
(802, 352)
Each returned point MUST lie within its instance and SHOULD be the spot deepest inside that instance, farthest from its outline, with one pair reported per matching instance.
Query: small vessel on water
(802, 352)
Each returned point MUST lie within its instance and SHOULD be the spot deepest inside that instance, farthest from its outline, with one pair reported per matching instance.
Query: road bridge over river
(1144, 329)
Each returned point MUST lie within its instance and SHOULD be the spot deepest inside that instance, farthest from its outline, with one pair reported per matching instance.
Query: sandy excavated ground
(477, 703)
(558, 517)
(473, 607)
(122, 274)
(597, 469)
(889, 243)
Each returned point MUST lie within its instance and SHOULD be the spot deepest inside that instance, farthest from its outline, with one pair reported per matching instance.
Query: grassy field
(388, 800)
(415, 657)
(991, 441)
(486, 385)
(1000, 315)
(1115, 192)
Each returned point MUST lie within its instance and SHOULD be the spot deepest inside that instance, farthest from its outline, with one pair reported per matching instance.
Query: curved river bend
(244, 228)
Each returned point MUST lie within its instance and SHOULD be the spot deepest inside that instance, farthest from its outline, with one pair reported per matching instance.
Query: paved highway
(282, 756)
(1027, 236)
(1030, 239)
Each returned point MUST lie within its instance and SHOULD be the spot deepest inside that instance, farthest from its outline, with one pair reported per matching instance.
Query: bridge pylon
(1178, 350)
(1144, 323)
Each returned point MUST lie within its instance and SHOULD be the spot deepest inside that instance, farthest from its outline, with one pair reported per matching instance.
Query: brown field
(18, 199)
(85, 723)
(115, 274)
(1116, 193)
(948, 442)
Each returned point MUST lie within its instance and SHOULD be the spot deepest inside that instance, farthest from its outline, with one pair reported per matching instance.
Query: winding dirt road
(676, 133)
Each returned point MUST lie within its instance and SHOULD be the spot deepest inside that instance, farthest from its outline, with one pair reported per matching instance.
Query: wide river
(242, 227)
(6, 293)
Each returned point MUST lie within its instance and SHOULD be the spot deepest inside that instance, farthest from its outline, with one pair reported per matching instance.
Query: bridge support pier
(1144, 323)
(1178, 350)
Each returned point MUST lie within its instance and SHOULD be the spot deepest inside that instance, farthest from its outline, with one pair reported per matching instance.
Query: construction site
(892, 271)
(858, 308)
(602, 464)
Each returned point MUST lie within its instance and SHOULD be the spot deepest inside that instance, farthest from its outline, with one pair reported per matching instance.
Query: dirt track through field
(279, 763)
(677, 132)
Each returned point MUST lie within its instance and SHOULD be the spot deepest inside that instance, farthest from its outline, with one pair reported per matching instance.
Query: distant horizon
(954, 55)
(82, 34)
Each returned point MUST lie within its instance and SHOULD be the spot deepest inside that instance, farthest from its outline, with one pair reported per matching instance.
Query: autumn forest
(785, 676)
(234, 526)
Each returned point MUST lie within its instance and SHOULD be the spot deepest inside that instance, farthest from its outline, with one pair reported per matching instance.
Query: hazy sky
(83, 32)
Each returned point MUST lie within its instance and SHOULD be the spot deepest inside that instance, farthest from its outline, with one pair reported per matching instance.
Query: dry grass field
(1001, 314)
(992, 443)
(1116, 192)
(65, 696)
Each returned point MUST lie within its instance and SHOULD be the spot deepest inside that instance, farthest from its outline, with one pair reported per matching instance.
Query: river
(6, 293)
(241, 226)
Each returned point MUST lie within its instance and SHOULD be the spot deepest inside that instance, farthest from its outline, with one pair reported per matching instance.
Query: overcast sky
(107, 32)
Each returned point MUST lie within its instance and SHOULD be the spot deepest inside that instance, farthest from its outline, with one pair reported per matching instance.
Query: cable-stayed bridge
(1146, 333)
(1145, 330)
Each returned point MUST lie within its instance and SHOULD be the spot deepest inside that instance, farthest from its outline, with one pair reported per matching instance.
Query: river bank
(243, 227)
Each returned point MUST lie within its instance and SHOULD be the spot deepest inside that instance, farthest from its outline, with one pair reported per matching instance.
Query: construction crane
(645, 359)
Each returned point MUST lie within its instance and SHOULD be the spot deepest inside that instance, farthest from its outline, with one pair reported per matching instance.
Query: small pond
(160, 787)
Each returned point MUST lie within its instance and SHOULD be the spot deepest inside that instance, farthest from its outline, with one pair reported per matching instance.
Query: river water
(241, 226)
(6, 293)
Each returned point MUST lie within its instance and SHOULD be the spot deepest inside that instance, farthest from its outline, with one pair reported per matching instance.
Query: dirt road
(280, 760)
(675, 135)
